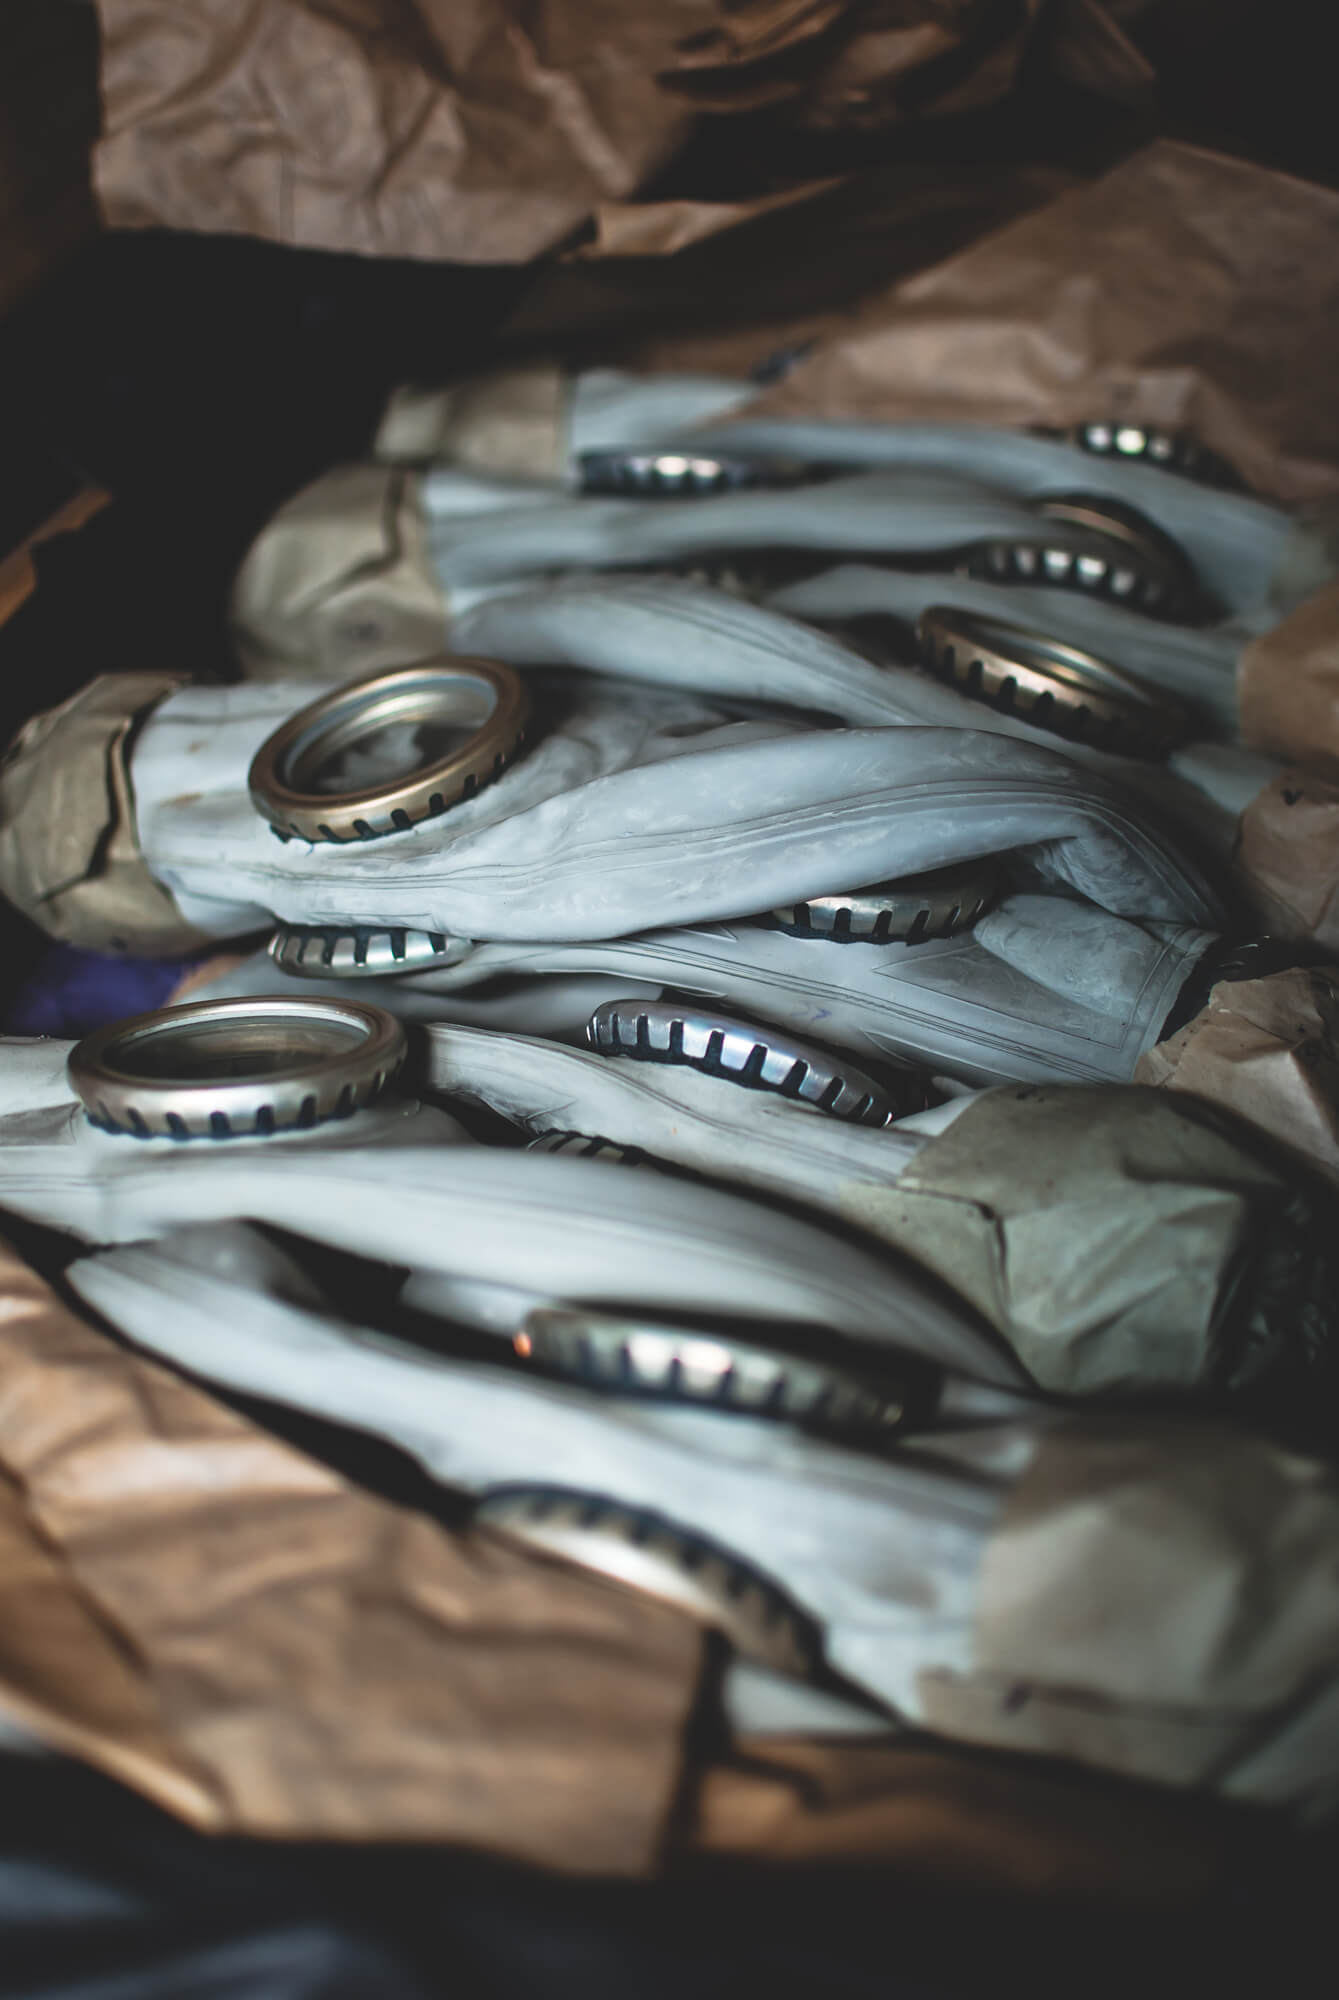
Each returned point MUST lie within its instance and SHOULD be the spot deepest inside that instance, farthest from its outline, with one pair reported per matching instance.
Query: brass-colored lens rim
(1049, 684)
(424, 692)
(344, 1054)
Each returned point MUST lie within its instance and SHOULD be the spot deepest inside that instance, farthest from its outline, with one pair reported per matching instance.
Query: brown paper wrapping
(70, 856)
(479, 131)
(223, 1623)
(340, 582)
(485, 131)
(958, 1823)
(722, 287)
(1288, 857)
(1268, 1050)
(836, 65)
(1182, 289)
(1098, 1227)
(1157, 1601)
(663, 228)
(1288, 685)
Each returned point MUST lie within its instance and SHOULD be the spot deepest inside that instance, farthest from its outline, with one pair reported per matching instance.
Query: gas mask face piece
(668, 784)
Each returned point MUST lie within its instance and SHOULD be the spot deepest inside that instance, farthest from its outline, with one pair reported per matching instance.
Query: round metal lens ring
(1115, 552)
(1101, 514)
(648, 1552)
(1170, 451)
(759, 1058)
(680, 475)
(909, 911)
(1049, 684)
(484, 696)
(720, 1368)
(224, 1069)
(316, 951)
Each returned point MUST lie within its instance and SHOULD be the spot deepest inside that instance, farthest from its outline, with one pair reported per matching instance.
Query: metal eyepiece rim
(1011, 666)
(368, 951)
(419, 692)
(911, 909)
(643, 1549)
(776, 1061)
(366, 1051)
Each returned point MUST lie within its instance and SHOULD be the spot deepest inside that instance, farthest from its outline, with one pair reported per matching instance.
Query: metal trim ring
(680, 475)
(284, 774)
(938, 904)
(758, 1058)
(716, 1366)
(646, 1551)
(1049, 684)
(1121, 555)
(1170, 451)
(316, 951)
(181, 1072)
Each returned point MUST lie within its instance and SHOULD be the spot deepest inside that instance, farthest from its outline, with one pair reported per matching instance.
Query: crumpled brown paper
(1161, 1600)
(70, 856)
(837, 65)
(1287, 857)
(485, 131)
(1268, 1050)
(664, 228)
(1181, 290)
(1105, 1233)
(226, 1625)
(725, 287)
(953, 1822)
(1288, 685)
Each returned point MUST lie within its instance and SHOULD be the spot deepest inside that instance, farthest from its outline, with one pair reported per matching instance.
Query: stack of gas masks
(707, 984)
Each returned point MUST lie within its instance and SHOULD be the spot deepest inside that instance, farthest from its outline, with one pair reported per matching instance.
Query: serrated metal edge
(321, 1106)
(316, 951)
(888, 918)
(1115, 576)
(402, 821)
(1169, 451)
(1105, 723)
(779, 1064)
(677, 475)
(758, 1616)
(710, 1368)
